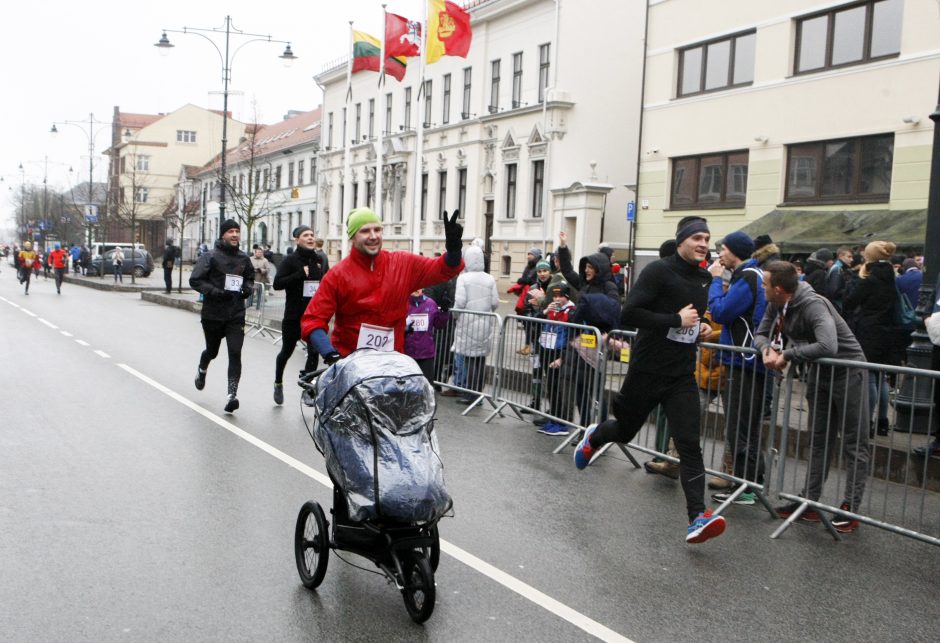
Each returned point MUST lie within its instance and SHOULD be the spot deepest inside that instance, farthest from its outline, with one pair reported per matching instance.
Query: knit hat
(543, 265)
(561, 288)
(57, 246)
(823, 254)
(606, 249)
(299, 230)
(740, 244)
(228, 224)
(878, 251)
(536, 251)
(358, 218)
(689, 226)
(667, 248)
(762, 240)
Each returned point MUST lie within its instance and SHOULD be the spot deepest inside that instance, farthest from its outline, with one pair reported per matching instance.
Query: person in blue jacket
(739, 311)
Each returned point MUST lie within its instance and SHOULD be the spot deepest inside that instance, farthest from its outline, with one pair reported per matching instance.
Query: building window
(427, 103)
(516, 80)
(717, 64)
(505, 265)
(511, 191)
(371, 118)
(388, 114)
(849, 35)
(140, 195)
(424, 196)
(544, 66)
(441, 190)
(329, 130)
(370, 194)
(355, 195)
(465, 111)
(257, 181)
(266, 179)
(839, 171)
(358, 131)
(494, 87)
(300, 173)
(277, 177)
(290, 174)
(143, 163)
(710, 180)
(462, 192)
(445, 101)
(538, 183)
(185, 136)
(407, 107)
(313, 170)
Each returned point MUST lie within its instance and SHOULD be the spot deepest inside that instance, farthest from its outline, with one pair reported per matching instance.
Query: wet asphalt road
(132, 508)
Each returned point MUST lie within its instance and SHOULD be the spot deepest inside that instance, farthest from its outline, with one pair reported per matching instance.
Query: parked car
(141, 266)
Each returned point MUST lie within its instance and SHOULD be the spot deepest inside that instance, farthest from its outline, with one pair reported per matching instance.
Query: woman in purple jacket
(423, 318)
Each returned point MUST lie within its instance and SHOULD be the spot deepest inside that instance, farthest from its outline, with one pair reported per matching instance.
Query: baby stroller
(373, 421)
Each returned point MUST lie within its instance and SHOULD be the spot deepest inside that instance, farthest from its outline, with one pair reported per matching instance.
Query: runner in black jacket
(226, 278)
(299, 276)
(666, 305)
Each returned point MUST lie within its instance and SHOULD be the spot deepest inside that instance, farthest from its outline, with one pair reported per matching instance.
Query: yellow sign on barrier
(588, 341)
(625, 354)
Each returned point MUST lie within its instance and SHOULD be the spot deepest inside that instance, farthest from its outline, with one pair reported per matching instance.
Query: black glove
(246, 291)
(453, 232)
(331, 358)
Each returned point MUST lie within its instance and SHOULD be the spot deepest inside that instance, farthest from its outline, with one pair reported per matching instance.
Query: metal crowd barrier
(464, 360)
(828, 455)
(257, 313)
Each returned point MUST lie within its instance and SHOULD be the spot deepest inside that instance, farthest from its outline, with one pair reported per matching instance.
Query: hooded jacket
(290, 278)
(815, 274)
(476, 291)
(603, 281)
(208, 277)
(813, 327)
(736, 310)
(419, 344)
(373, 290)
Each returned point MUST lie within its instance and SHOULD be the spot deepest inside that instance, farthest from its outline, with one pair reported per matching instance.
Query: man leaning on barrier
(368, 290)
(736, 311)
(666, 305)
(800, 326)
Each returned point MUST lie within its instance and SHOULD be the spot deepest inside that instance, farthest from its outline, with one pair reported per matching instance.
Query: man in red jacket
(368, 290)
(59, 262)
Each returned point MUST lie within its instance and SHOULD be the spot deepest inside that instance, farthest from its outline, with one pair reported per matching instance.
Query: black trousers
(639, 395)
(59, 276)
(233, 331)
(290, 335)
(744, 400)
(168, 278)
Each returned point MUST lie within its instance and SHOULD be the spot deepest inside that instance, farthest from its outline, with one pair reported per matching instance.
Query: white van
(101, 247)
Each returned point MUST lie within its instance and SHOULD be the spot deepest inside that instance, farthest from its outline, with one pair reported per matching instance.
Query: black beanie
(299, 230)
(228, 224)
(689, 226)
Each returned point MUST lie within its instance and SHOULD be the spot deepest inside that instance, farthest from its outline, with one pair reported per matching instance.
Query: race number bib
(418, 322)
(233, 283)
(683, 335)
(377, 337)
(547, 339)
(310, 288)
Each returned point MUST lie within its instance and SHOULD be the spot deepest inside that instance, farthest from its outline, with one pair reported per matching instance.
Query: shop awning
(803, 231)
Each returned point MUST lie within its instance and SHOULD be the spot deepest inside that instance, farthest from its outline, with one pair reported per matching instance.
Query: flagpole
(419, 142)
(379, 201)
(347, 172)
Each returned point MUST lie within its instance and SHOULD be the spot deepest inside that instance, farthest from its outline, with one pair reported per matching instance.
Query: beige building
(528, 135)
(146, 154)
(793, 109)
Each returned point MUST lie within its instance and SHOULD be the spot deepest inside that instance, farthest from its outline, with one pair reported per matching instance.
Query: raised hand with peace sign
(453, 233)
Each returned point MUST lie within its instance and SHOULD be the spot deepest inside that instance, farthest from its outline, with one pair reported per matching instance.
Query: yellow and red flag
(448, 30)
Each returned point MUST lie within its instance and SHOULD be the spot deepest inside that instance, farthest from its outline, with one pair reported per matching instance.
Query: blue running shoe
(584, 451)
(553, 428)
(704, 527)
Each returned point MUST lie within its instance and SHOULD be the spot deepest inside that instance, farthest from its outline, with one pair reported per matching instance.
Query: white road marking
(508, 581)
(48, 323)
(30, 313)
(66, 333)
(82, 342)
(102, 354)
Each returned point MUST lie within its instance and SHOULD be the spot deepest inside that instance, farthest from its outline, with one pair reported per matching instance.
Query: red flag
(449, 31)
(402, 36)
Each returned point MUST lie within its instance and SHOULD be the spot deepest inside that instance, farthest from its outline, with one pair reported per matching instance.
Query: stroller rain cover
(375, 427)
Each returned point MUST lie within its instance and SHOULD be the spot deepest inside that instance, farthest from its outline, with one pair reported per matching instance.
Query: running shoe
(584, 451)
(200, 379)
(553, 428)
(842, 523)
(278, 393)
(787, 510)
(704, 527)
(932, 448)
(746, 498)
(232, 404)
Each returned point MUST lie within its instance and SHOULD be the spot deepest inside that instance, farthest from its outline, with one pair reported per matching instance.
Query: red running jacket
(57, 258)
(373, 290)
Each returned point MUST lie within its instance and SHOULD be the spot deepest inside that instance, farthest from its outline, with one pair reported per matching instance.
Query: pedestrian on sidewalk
(299, 277)
(85, 259)
(58, 259)
(225, 278)
(169, 260)
(117, 263)
(666, 305)
(75, 252)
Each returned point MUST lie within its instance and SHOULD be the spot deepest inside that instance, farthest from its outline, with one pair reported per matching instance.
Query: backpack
(902, 313)
(760, 302)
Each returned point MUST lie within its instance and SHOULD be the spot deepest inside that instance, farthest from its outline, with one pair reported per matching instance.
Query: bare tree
(128, 208)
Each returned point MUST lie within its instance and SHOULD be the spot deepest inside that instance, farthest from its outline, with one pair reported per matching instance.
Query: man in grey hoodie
(837, 396)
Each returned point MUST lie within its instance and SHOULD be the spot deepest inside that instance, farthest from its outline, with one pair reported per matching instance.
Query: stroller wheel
(311, 544)
(419, 592)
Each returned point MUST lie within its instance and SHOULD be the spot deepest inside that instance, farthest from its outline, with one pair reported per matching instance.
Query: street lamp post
(288, 57)
(91, 134)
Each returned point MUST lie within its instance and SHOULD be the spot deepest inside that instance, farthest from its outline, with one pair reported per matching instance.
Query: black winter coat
(869, 306)
(290, 278)
(208, 277)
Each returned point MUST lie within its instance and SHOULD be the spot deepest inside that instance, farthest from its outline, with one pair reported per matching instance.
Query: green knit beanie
(358, 218)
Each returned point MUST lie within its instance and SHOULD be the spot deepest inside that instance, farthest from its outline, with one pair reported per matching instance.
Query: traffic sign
(631, 210)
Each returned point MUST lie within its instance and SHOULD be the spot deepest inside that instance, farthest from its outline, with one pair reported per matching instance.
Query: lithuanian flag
(366, 51)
